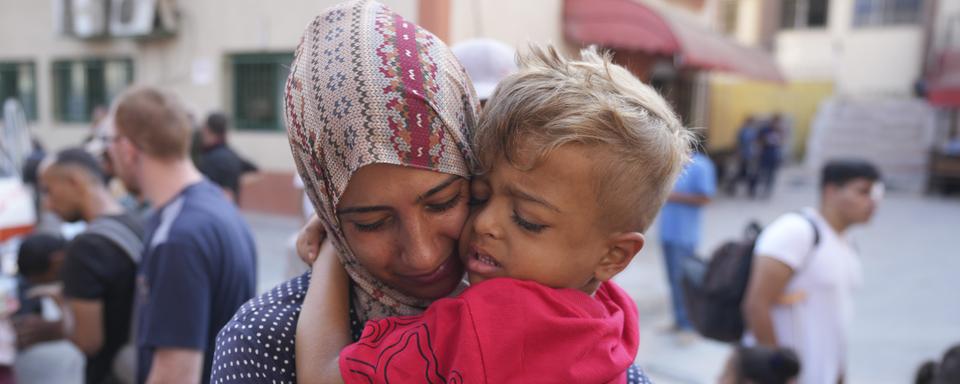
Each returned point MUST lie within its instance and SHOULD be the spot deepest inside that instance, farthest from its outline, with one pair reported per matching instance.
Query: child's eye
(526, 225)
(445, 205)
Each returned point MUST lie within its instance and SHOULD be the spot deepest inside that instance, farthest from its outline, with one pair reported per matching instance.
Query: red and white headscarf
(367, 86)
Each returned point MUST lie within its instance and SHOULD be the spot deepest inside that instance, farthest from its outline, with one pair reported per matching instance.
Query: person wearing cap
(805, 269)
(487, 61)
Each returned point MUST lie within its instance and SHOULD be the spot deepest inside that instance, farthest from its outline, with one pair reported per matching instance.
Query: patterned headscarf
(367, 86)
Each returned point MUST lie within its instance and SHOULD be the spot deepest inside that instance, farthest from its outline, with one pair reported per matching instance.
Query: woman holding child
(380, 117)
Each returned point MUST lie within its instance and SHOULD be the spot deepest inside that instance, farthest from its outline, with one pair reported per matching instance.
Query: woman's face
(403, 223)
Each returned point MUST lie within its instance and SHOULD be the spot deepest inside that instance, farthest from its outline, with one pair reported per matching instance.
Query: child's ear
(621, 248)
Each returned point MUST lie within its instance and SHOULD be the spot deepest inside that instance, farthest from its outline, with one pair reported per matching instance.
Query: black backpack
(713, 290)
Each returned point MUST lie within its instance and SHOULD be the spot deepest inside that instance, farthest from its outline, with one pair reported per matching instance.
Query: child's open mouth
(480, 263)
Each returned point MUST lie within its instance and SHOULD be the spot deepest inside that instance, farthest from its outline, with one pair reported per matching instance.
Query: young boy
(576, 159)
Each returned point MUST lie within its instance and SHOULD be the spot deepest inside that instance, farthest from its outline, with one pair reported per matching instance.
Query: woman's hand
(309, 240)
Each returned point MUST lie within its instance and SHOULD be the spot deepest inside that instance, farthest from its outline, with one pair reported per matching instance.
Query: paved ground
(907, 311)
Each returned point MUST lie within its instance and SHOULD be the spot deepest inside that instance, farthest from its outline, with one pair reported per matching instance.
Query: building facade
(62, 60)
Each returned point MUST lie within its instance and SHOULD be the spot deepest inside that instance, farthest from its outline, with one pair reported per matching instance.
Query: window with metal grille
(804, 14)
(258, 81)
(872, 13)
(18, 81)
(79, 86)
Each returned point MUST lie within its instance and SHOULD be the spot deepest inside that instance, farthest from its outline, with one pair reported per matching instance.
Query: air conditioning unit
(89, 18)
(138, 18)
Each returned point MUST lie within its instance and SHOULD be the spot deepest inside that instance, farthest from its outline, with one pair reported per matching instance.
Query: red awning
(631, 25)
(943, 86)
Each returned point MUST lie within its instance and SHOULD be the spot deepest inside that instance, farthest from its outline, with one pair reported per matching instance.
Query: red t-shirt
(499, 331)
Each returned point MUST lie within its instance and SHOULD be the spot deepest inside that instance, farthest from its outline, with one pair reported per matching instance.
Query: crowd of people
(760, 151)
(163, 258)
(470, 212)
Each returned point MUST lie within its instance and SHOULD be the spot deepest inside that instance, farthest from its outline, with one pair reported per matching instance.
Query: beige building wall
(863, 61)
(194, 63)
(883, 62)
(515, 23)
(946, 27)
(806, 55)
(748, 27)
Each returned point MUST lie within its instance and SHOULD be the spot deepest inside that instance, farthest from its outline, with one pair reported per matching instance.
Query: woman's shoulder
(282, 302)
(261, 334)
(635, 375)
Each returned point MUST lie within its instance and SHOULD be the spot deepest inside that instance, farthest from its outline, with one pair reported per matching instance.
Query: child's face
(540, 225)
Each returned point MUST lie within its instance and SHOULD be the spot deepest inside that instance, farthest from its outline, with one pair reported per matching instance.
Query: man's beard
(130, 183)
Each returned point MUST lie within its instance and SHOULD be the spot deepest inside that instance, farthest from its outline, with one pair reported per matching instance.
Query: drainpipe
(929, 25)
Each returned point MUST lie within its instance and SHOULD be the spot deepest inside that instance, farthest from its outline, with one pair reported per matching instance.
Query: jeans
(674, 254)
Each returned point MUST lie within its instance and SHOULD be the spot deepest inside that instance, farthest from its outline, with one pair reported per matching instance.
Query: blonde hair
(637, 142)
(155, 122)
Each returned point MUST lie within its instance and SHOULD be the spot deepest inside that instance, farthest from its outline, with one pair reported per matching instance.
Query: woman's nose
(423, 250)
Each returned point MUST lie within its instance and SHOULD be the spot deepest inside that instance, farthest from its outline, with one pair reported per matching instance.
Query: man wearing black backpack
(100, 265)
(805, 270)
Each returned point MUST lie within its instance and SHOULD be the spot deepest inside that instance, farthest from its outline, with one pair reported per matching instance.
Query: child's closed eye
(526, 224)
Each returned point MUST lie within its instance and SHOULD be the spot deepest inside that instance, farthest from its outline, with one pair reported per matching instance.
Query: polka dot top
(257, 345)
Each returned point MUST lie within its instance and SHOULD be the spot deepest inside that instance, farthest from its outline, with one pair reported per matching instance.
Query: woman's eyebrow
(372, 208)
(446, 183)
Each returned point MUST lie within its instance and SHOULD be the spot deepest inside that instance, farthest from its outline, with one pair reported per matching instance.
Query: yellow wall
(733, 100)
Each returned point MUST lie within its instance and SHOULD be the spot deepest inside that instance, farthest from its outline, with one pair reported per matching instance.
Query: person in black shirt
(39, 261)
(101, 263)
(219, 162)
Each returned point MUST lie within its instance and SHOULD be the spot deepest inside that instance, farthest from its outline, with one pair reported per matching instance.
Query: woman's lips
(479, 262)
(439, 274)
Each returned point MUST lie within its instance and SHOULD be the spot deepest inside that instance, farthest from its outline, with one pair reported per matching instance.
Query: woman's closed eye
(370, 226)
(526, 224)
(446, 205)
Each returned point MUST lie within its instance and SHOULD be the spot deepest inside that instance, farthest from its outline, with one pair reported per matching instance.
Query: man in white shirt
(805, 270)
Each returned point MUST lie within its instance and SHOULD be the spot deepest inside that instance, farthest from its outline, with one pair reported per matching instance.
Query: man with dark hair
(199, 263)
(39, 258)
(39, 321)
(945, 371)
(39, 262)
(805, 270)
(218, 162)
(101, 262)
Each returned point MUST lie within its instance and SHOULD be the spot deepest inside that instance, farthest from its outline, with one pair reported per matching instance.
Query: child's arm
(323, 328)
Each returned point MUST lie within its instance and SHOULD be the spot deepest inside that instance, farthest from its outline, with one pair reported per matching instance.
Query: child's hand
(324, 323)
(309, 240)
(326, 265)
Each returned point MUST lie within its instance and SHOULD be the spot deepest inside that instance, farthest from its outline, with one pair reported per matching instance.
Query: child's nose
(484, 221)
